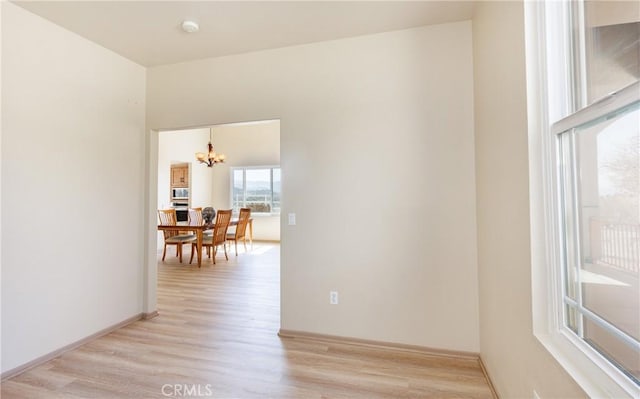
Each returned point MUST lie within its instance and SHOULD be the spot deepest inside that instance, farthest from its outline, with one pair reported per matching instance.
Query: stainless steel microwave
(179, 193)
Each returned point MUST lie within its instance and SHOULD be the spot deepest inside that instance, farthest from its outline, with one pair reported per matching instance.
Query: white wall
(611, 12)
(179, 147)
(1, 108)
(252, 144)
(516, 361)
(377, 159)
(72, 178)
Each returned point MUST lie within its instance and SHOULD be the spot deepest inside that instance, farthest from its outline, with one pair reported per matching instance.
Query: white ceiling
(148, 32)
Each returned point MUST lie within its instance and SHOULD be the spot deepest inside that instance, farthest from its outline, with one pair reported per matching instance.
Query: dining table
(199, 230)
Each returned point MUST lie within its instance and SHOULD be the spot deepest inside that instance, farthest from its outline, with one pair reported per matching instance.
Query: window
(257, 188)
(586, 279)
(599, 198)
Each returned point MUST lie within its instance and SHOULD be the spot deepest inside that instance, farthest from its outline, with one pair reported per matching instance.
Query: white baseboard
(486, 375)
(289, 334)
(379, 344)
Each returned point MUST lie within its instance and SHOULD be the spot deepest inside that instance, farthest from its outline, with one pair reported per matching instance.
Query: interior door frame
(150, 199)
(150, 262)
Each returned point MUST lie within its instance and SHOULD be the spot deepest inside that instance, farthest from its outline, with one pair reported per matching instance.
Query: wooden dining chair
(241, 229)
(168, 218)
(194, 217)
(223, 218)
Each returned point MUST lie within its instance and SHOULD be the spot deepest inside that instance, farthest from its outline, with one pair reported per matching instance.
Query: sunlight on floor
(259, 248)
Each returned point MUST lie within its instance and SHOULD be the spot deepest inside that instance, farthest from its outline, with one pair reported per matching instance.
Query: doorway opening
(249, 177)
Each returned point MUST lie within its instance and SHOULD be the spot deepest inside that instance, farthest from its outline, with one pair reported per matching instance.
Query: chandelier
(210, 158)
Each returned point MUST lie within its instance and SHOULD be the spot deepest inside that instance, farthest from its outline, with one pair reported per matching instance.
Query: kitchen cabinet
(180, 176)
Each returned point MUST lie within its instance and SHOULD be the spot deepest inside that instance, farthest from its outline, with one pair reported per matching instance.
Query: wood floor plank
(216, 334)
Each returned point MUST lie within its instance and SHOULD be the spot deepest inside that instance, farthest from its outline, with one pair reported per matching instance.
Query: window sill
(259, 215)
(592, 373)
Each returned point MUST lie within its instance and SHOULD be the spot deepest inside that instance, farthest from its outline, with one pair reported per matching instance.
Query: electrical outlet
(333, 297)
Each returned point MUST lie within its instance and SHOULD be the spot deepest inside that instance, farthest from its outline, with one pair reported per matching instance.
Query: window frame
(616, 101)
(552, 98)
(244, 188)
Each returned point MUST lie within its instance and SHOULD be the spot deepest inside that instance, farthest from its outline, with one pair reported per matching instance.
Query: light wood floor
(216, 336)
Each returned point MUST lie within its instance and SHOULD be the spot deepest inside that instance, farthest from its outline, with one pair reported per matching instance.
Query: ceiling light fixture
(190, 26)
(210, 158)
